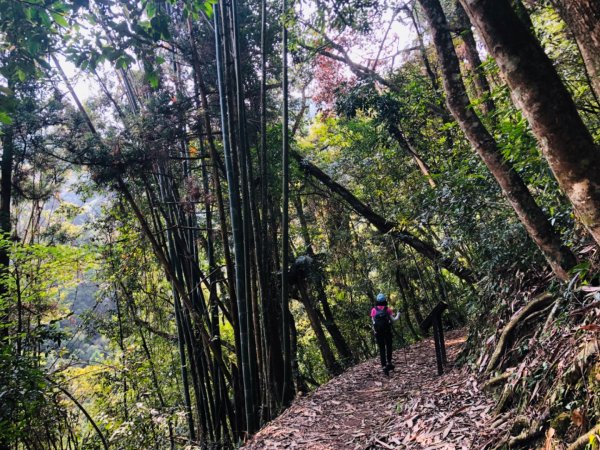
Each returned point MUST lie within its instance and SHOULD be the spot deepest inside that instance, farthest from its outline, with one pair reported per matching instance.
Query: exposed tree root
(524, 437)
(533, 306)
(528, 429)
(505, 399)
(551, 316)
(585, 309)
(499, 421)
(498, 379)
(584, 439)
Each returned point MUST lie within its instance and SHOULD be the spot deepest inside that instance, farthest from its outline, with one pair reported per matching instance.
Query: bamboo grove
(243, 235)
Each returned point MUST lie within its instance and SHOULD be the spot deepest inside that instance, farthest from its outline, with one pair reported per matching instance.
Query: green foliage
(25, 396)
(101, 320)
(37, 284)
(346, 14)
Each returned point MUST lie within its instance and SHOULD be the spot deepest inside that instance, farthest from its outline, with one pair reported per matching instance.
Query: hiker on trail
(382, 317)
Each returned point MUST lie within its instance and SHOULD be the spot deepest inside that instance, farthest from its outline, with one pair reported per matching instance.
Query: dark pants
(384, 342)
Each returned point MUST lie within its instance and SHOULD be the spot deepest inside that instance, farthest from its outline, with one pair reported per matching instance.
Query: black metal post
(438, 350)
(441, 340)
(434, 319)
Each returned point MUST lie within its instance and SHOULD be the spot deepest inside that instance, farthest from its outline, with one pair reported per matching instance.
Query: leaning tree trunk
(522, 14)
(383, 225)
(583, 17)
(539, 92)
(535, 221)
(406, 145)
(482, 86)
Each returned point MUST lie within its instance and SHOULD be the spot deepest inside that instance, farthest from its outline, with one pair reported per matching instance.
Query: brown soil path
(364, 410)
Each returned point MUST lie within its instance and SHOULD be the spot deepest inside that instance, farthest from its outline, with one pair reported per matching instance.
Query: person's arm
(391, 313)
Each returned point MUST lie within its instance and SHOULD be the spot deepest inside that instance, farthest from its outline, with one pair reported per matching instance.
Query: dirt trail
(364, 410)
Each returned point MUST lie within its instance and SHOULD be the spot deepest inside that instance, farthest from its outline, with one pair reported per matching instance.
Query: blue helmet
(381, 298)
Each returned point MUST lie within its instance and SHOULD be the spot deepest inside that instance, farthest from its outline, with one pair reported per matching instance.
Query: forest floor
(413, 408)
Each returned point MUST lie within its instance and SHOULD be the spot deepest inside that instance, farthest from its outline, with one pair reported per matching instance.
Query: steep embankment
(412, 409)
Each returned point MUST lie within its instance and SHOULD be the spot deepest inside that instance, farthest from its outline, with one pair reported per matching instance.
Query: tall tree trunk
(237, 230)
(415, 302)
(123, 355)
(216, 163)
(249, 212)
(285, 189)
(583, 17)
(183, 273)
(250, 221)
(184, 369)
(442, 113)
(328, 319)
(328, 357)
(272, 344)
(422, 49)
(274, 307)
(201, 97)
(481, 83)
(174, 260)
(535, 221)
(301, 386)
(539, 92)
(522, 14)
(404, 303)
(336, 335)
(6, 169)
(220, 425)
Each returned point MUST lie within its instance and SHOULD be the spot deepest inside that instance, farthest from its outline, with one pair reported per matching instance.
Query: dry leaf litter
(413, 408)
